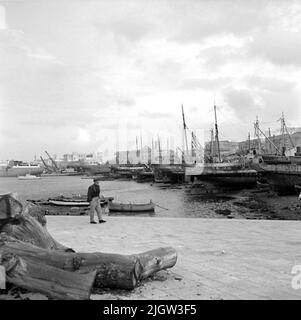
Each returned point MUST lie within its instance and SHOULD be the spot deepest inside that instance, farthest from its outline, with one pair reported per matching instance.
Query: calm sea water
(180, 200)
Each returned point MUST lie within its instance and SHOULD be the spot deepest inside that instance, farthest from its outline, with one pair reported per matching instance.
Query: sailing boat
(216, 173)
(280, 170)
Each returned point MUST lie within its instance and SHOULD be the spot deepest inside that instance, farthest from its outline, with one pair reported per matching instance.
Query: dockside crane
(46, 165)
(184, 128)
(53, 162)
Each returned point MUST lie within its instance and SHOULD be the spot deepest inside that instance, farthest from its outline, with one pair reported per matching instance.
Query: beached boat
(29, 176)
(144, 176)
(222, 175)
(131, 207)
(282, 177)
(68, 203)
(75, 201)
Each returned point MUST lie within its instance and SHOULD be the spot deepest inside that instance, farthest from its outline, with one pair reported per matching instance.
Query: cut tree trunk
(53, 282)
(16, 221)
(26, 244)
(112, 270)
(155, 260)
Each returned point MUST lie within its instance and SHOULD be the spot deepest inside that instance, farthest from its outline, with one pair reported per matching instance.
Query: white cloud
(70, 69)
(2, 18)
(83, 136)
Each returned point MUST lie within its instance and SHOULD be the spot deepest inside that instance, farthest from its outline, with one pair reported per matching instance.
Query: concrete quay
(217, 258)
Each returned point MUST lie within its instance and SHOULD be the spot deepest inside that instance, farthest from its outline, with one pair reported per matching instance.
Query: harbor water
(171, 200)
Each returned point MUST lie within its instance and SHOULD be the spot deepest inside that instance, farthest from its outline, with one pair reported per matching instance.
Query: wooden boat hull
(282, 177)
(282, 182)
(131, 207)
(68, 203)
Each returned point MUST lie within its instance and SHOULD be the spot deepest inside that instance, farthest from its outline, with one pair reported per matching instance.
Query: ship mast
(270, 145)
(117, 149)
(283, 130)
(160, 152)
(216, 135)
(211, 143)
(249, 142)
(184, 128)
(258, 131)
(127, 157)
(141, 147)
(137, 150)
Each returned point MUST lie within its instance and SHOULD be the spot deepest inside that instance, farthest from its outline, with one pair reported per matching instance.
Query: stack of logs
(33, 260)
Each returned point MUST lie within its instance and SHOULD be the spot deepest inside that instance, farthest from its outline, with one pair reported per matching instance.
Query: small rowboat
(131, 207)
(69, 203)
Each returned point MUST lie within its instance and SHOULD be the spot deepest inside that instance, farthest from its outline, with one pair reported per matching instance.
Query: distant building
(267, 146)
(156, 156)
(85, 157)
(226, 147)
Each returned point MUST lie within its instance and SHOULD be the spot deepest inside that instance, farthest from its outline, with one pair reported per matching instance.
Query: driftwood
(26, 244)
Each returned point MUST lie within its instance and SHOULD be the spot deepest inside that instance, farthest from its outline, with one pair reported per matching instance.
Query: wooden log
(37, 212)
(155, 260)
(10, 206)
(112, 270)
(53, 282)
(16, 221)
(27, 229)
(27, 236)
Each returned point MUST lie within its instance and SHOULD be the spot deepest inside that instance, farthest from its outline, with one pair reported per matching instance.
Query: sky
(88, 76)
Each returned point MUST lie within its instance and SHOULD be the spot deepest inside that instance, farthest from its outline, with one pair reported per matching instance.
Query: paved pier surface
(217, 258)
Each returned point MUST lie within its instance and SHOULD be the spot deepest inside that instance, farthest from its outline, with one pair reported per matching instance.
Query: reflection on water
(180, 200)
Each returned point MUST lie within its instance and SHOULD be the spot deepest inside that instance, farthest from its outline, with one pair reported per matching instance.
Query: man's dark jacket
(93, 191)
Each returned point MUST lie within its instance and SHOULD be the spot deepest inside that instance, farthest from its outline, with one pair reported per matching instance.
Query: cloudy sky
(75, 75)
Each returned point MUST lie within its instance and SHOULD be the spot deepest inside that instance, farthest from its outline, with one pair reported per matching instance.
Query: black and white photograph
(150, 150)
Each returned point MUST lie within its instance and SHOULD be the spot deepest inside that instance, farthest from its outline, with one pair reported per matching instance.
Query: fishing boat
(168, 173)
(75, 201)
(144, 176)
(68, 203)
(29, 176)
(217, 172)
(282, 177)
(131, 207)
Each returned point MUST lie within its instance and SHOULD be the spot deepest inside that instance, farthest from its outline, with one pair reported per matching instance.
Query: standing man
(93, 198)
